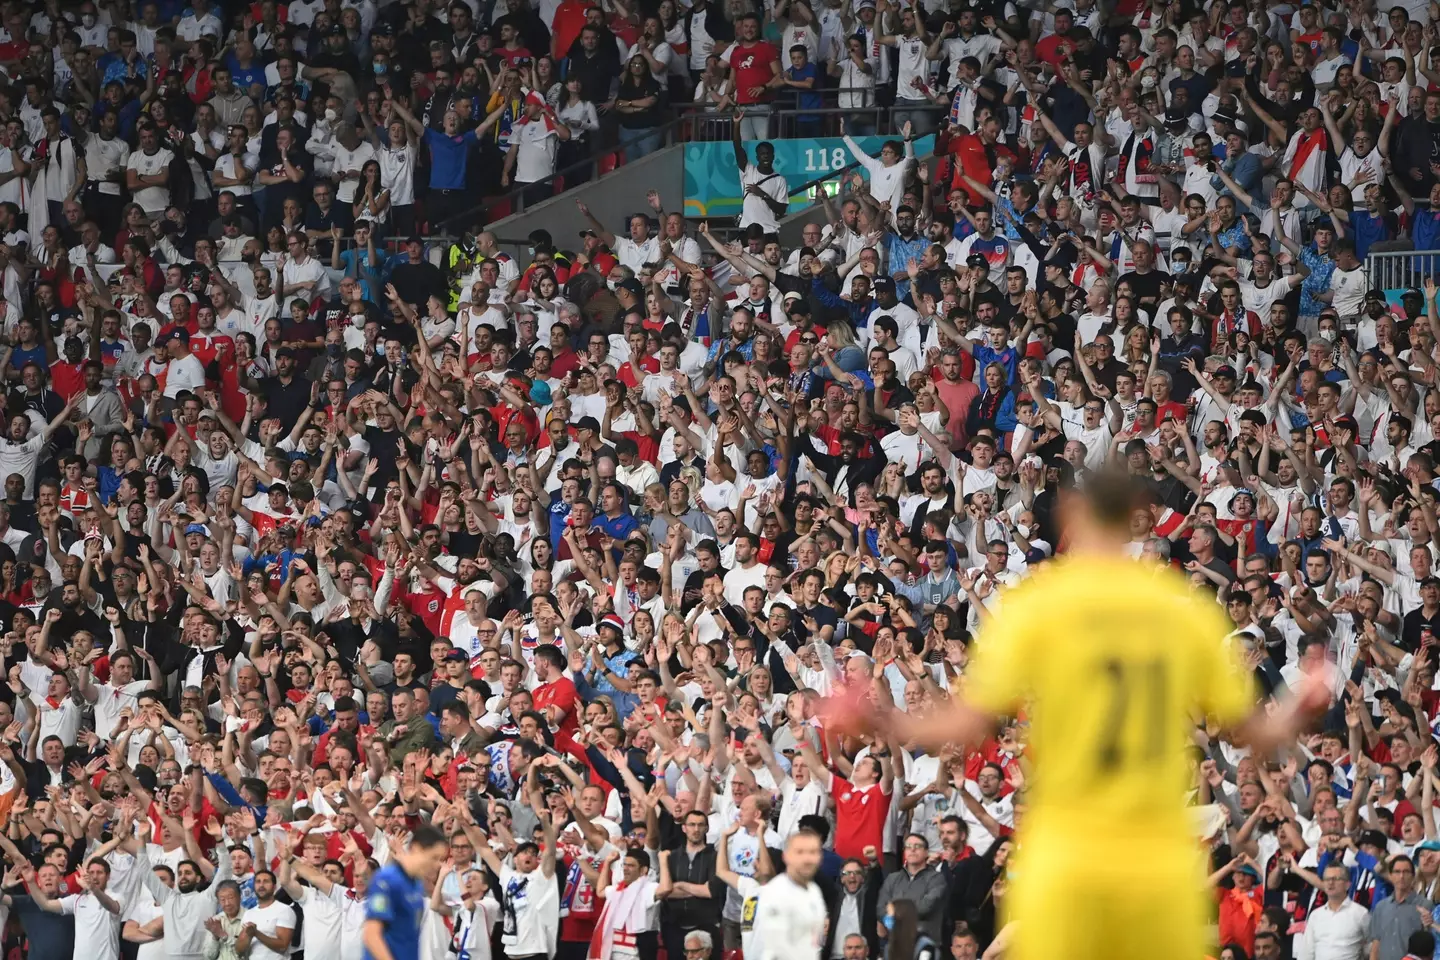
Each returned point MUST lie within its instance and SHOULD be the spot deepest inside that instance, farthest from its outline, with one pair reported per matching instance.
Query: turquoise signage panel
(712, 182)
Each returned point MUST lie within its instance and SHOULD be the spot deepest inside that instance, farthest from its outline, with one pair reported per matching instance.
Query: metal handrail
(472, 214)
(687, 115)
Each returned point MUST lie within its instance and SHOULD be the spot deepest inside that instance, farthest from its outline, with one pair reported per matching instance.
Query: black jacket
(694, 913)
(869, 894)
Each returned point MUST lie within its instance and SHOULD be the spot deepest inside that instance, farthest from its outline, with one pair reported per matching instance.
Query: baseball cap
(286, 352)
(587, 423)
(883, 283)
(977, 260)
(1225, 371)
(1374, 838)
(179, 333)
(336, 30)
(792, 296)
(1412, 292)
(455, 655)
(633, 287)
(383, 29)
(195, 528)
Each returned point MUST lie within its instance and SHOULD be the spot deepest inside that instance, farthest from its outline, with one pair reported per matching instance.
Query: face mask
(334, 349)
(331, 115)
(889, 921)
(379, 67)
(1024, 529)
(88, 19)
(613, 285)
(1327, 335)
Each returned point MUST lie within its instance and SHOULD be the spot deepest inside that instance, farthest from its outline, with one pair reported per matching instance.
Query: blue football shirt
(397, 900)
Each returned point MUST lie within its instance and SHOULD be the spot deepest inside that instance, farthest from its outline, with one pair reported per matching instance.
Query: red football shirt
(558, 693)
(860, 814)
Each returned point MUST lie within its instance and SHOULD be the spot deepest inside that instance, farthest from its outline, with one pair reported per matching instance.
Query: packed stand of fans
(311, 550)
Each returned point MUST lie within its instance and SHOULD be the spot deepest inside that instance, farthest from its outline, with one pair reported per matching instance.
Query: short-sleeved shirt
(397, 900)
(860, 814)
(448, 159)
(269, 920)
(752, 66)
(1111, 711)
(97, 930)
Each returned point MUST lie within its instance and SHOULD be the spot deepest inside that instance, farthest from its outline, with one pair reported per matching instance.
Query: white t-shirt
(913, 66)
(790, 920)
(21, 458)
(755, 210)
(151, 199)
(325, 920)
(187, 373)
(531, 911)
(228, 166)
(97, 930)
(111, 700)
(536, 145)
(351, 161)
(310, 270)
(473, 926)
(269, 921)
(397, 174)
(1349, 287)
(636, 255)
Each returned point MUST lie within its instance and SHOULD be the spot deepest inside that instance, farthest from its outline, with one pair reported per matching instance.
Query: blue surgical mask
(889, 921)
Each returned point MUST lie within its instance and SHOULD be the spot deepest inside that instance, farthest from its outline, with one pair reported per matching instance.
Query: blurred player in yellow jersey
(1112, 661)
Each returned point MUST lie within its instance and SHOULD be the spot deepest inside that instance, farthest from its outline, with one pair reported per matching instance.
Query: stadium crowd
(318, 556)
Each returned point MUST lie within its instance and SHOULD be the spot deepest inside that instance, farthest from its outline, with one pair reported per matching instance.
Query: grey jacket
(108, 417)
(925, 889)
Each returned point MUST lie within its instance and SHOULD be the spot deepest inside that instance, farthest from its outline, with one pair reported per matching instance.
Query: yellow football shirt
(1111, 660)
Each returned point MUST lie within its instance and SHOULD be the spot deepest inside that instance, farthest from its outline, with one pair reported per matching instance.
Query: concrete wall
(611, 198)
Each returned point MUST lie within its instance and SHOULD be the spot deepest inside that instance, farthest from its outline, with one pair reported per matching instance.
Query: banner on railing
(712, 182)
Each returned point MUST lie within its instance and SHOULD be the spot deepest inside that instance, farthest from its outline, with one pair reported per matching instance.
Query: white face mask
(1023, 529)
(331, 115)
(1327, 335)
(612, 284)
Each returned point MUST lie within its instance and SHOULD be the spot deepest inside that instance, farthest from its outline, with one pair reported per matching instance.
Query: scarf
(1305, 146)
(624, 910)
(1139, 150)
(1038, 157)
(962, 107)
(546, 120)
(579, 895)
(990, 402)
(1082, 175)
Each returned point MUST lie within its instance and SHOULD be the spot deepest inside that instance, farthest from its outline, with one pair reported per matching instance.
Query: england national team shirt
(996, 252)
